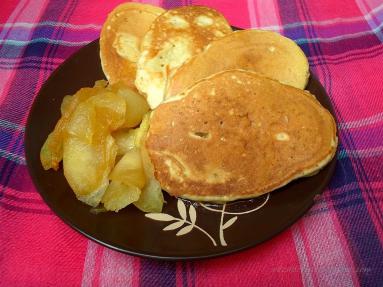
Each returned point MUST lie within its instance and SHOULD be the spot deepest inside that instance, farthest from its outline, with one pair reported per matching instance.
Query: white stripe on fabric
(12, 157)
(28, 13)
(298, 41)
(371, 21)
(362, 122)
(151, 2)
(339, 38)
(307, 279)
(89, 262)
(12, 17)
(31, 58)
(116, 269)
(370, 152)
(44, 40)
(270, 17)
(327, 252)
(10, 125)
(332, 21)
(252, 15)
(53, 24)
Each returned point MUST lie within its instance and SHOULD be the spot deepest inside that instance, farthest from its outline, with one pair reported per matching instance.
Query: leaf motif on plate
(187, 226)
(230, 222)
(185, 230)
(190, 225)
(192, 214)
(160, 216)
(181, 209)
(174, 225)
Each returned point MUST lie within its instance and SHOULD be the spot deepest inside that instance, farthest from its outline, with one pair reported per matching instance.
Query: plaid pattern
(337, 243)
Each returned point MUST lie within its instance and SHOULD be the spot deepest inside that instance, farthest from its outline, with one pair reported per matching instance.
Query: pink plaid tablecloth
(337, 243)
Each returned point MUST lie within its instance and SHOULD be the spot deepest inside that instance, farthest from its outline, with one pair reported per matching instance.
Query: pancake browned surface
(237, 135)
(265, 52)
(175, 37)
(121, 37)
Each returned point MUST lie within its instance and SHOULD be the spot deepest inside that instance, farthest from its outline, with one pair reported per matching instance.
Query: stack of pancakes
(231, 118)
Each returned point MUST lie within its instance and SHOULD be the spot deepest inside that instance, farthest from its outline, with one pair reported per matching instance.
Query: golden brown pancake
(238, 135)
(265, 52)
(175, 37)
(121, 37)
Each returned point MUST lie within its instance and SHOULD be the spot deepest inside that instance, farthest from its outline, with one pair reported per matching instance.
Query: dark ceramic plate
(207, 231)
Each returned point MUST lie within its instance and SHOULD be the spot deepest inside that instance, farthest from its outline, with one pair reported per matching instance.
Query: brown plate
(196, 231)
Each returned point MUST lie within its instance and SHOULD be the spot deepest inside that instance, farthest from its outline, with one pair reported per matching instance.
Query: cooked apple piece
(87, 167)
(136, 105)
(65, 104)
(119, 195)
(129, 170)
(125, 140)
(89, 148)
(52, 151)
(151, 198)
(100, 84)
(142, 131)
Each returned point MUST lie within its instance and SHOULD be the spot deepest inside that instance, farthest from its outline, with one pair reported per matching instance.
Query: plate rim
(62, 215)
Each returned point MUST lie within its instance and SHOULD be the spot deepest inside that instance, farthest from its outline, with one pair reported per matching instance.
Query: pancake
(265, 52)
(244, 135)
(120, 40)
(175, 37)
